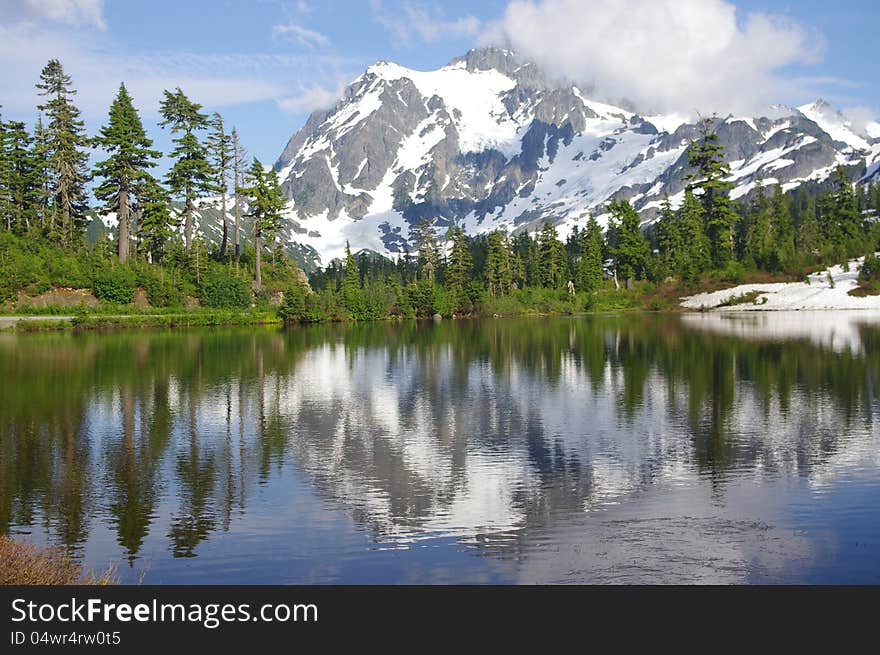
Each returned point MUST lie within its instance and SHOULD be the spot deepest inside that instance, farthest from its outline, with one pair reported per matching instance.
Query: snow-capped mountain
(489, 141)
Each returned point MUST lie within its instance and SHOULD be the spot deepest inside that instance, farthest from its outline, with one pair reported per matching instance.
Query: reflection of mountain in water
(498, 434)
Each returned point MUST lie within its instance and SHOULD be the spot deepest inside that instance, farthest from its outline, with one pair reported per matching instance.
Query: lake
(695, 448)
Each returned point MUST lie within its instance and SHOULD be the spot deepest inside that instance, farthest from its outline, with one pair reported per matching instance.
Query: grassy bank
(23, 563)
(145, 320)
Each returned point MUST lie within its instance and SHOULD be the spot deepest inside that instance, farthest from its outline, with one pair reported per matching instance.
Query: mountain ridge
(489, 141)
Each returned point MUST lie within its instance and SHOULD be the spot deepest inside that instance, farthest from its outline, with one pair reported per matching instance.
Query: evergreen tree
(220, 147)
(66, 144)
(428, 253)
(155, 221)
(129, 156)
(669, 237)
(783, 252)
(239, 166)
(5, 162)
(840, 221)
(589, 266)
(697, 256)
(351, 283)
(42, 171)
(20, 182)
(266, 205)
(461, 264)
(706, 154)
(758, 237)
(191, 173)
(499, 272)
(550, 263)
(631, 248)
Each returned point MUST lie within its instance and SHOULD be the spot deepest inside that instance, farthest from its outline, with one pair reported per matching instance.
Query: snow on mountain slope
(834, 123)
(489, 142)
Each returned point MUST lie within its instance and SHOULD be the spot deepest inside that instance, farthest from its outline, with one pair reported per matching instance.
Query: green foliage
(630, 248)
(293, 307)
(65, 145)
(223, 290)
(115, 285)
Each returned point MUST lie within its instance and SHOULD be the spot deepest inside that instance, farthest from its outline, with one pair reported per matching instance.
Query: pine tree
(5, 162)
(498, 272)
(21, 178)
(783, 251)
(66, 143)
(697, 255)
(758, 237)
(129, 156)
(428, 252)
(461, 264)
(191, 173)
(155, 221)
(239, 166)
(266, 206)
(552, 272)
(42, 171)
(220, 147)
(351, 284)
(631, 248)
(706, 154)
(589, 266)
(669, 237)
(840, 219)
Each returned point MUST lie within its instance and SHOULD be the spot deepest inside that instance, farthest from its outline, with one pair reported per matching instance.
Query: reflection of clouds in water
(584, 451)
(838, 330)
(518, 456)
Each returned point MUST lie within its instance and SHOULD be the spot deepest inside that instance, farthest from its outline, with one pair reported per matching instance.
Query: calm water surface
(697, 448)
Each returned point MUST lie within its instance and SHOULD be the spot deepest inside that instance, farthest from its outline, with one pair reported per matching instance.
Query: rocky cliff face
(489, 142)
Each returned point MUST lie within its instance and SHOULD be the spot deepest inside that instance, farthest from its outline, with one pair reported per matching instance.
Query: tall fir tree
(630, 250)
(130, 154)
(428, 252)
(550, 263)
(156, 223)
(192, 173)
(498, 271)
(266, 206)
(706, 154)
(21, 185)
(460, 269)
(5, 203)
(239, 169)
(220, 147)
(42, 171)
(589, 266)
(352, 295)
(697, 255)
(66, 144)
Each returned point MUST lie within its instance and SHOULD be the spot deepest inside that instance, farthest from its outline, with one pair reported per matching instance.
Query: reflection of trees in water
(470, 429)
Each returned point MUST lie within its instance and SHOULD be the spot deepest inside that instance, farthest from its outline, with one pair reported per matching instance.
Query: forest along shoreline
(839, 288)
(111, 245)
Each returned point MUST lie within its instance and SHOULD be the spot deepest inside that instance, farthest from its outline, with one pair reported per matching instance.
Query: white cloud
(312, 97)
(302, 35)
(77, 13)
(662, 55)
(97, 66)
(425, 23)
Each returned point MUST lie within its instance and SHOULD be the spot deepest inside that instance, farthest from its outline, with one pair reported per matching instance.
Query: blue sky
(266, 64)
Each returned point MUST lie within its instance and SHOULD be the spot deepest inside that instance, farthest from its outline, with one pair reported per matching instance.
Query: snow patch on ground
(818, 294)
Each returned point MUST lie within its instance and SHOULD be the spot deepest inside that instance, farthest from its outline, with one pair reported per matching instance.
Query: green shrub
(293, 307)
(116, 285)
(221, 289)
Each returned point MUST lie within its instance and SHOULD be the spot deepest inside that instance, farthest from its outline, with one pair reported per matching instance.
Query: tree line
(44, 175)
(708, 234)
